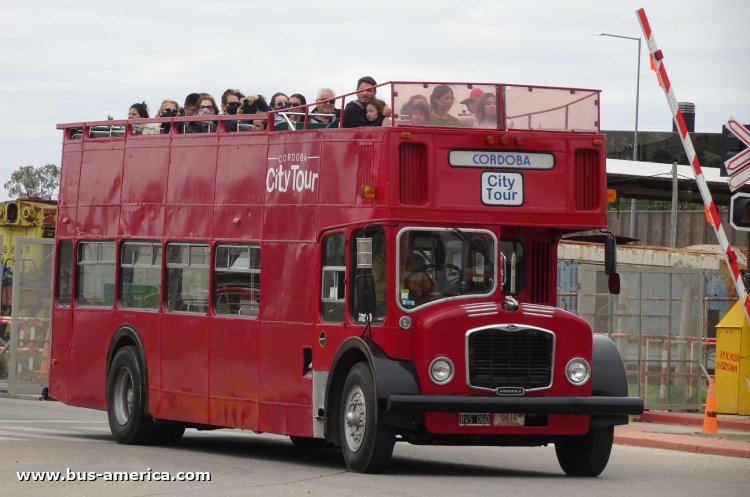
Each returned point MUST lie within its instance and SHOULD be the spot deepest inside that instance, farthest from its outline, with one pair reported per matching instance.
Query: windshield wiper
(479, 248)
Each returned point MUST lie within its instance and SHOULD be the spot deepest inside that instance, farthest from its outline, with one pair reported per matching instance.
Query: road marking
(70, 438)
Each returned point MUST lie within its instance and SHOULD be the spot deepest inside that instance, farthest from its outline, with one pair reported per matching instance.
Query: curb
(635, 436)
(684, 419)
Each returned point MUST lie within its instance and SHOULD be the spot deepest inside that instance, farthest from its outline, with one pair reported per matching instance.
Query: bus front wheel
(585, 455)
(126, 399)
(366, 445)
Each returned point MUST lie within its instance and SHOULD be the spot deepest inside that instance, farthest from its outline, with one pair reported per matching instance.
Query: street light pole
(635, 133)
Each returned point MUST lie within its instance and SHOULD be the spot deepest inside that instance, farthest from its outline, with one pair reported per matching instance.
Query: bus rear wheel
(126, 400)
(366, 445)
(585, 455)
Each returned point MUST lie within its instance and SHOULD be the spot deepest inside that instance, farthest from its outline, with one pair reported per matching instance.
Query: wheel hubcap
(124, 396)
(355, 418)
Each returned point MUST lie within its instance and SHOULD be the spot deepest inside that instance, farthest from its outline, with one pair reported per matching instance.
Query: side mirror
(610, 262)
(614, 283)
(364, 287)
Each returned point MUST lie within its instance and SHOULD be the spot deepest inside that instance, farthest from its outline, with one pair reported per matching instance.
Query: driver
(417, 280)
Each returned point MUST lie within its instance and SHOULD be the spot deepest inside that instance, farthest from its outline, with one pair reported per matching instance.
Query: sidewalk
(682, 431)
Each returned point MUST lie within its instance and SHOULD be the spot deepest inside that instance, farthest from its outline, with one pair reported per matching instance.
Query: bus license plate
(473, 419)
(508, 419)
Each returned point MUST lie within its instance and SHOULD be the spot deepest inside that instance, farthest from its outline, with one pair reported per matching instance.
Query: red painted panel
(60, 355)
(139, 221)
(92, 330)
(286, 405)
(238, 222)
(289, 295)
(98, 221)
(70, 171)
(144, 173)
(101, 176)
(290, 222)
(240, 174)
(192, 172)
(338, 158)
(281, 365)
(233, 357)
(186, 221)
(184, 367)
(66, 221)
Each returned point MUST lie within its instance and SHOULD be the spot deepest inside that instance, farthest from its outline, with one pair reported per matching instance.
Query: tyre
(366, 445)
(126, 400)
(585, 455)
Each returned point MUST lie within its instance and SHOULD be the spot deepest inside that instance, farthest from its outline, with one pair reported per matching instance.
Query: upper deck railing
(503, 107)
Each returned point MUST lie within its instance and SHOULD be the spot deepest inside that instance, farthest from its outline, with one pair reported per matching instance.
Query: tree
(39, 182)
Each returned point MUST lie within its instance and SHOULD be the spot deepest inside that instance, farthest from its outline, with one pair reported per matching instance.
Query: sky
(72, 61)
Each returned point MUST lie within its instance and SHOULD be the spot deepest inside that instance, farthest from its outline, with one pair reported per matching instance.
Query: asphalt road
(51, 437)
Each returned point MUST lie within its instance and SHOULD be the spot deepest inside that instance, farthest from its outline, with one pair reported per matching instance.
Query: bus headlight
(441, 370)
(578, 371)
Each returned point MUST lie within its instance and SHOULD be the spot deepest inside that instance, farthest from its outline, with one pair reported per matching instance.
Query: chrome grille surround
(509, 359)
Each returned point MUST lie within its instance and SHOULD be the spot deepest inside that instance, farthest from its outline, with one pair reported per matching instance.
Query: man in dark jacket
(354, 112)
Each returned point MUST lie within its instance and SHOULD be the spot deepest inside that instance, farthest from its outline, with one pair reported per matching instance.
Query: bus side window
(237, 280)
(187, 278)
(64, 273)
(140, 275)
(333, 291)
(96, 274)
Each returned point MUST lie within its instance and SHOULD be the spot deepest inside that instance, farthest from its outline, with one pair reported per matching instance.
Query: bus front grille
(510, 356)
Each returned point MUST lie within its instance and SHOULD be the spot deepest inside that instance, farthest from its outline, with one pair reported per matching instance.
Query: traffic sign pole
(730, 256)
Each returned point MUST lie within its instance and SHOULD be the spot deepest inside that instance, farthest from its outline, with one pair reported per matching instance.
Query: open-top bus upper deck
(539, 161)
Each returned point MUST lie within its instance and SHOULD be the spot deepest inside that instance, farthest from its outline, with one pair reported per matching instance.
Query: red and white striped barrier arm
(730, 256)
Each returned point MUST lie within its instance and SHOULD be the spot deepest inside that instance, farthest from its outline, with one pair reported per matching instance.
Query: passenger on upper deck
(206, 107)
(374, 113)
(354, 112)
(168, 108)
(140, 111)
(295, 100)
(230, 105)
(472, 103)
(419, 115)
(190, 108)
(253, 104)
(486, 115)
(325, 112)
(413, 100)
(441, 101)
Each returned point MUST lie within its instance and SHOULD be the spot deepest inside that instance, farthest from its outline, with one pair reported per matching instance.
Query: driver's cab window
(438, 264)
(333, 290)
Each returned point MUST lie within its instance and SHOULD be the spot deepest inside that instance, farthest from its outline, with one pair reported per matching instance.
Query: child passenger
(374, 113)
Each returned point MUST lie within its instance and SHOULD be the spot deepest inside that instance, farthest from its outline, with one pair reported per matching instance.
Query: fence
(660, 323)
(30, 316)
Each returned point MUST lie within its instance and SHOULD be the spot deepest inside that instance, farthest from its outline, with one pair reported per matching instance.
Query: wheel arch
(608, 377)
(390, 376)
(126, 336)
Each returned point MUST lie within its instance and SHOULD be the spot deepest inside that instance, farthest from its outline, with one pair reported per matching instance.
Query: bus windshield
(440, 263)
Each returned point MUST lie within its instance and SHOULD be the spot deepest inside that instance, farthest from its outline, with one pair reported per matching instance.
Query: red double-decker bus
(343, 286)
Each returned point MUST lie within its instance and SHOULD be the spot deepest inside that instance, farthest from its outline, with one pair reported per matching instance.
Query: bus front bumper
(531, 405)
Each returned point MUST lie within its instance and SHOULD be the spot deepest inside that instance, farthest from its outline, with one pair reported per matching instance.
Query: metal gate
(657, 322)
(30, 316)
